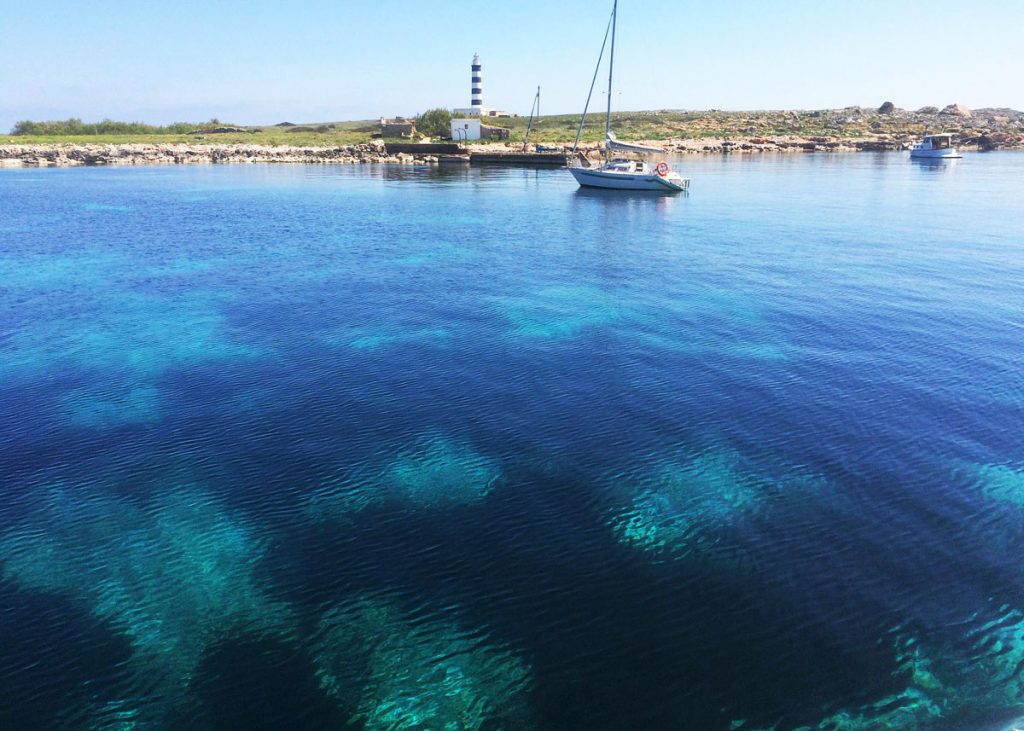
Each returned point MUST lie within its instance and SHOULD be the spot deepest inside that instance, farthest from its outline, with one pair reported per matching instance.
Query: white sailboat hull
(597, 178)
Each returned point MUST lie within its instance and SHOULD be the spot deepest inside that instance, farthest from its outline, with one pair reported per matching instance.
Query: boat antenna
(593, 82)
(611, 69)
(529, 125)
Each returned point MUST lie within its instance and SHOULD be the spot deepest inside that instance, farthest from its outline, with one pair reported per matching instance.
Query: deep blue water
(388, 448)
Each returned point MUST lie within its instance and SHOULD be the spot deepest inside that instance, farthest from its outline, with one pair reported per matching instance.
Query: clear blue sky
(266, 61)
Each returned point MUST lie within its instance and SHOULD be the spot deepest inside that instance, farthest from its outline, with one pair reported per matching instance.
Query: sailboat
(621, 174)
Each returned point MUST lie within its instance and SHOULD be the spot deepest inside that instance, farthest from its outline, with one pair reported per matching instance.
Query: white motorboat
(621, 174)
(935, 147)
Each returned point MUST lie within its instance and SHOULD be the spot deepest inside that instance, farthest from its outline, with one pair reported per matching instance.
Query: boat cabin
(937, 142)
(626, 166)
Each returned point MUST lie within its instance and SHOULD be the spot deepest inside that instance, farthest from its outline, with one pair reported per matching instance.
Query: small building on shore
(466, 130)
(397, 127)
(494, 133)
(471, 128)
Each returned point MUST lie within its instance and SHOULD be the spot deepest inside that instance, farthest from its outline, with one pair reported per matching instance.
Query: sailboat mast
(611, 69)
(529, 125)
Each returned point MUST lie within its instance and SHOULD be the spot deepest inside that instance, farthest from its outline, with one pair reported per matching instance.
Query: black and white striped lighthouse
(478, 84)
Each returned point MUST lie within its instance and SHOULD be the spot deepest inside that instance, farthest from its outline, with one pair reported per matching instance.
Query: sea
(394, 448)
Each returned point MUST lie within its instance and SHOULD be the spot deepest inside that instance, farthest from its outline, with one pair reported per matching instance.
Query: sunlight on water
(403, 674)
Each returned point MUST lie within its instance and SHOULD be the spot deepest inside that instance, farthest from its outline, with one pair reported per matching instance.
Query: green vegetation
(306, 135)
(628, 125)
(678, 124)
(435, 123)
(75, 127)
(850, 122)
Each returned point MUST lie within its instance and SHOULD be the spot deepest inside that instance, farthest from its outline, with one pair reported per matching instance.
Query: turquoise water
(393, 448)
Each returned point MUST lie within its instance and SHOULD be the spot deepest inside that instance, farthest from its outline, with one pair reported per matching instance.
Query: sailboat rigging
(620, 174)
(535, 109)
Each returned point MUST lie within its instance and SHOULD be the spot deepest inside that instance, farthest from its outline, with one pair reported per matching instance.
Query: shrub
(76, 127)
(435, 123)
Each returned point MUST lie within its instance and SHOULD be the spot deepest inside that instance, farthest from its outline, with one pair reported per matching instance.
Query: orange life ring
(662, 168)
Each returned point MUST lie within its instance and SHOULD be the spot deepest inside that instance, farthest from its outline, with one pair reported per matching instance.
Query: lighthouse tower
(477, 108)
(478, 85)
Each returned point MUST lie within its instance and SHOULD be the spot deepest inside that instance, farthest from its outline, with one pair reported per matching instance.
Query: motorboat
(618, 173)
(935, 147)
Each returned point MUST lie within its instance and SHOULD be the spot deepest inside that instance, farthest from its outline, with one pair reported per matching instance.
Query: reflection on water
(935, 165)
(612, 200)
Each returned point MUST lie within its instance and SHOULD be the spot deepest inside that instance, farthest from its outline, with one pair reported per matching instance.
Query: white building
(465, 130)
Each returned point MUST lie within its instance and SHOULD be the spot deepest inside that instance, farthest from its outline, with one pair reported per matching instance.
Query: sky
(268, 61)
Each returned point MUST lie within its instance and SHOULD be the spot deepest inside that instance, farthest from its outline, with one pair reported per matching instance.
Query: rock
(956, 110)
(887, 108)
(928, 110)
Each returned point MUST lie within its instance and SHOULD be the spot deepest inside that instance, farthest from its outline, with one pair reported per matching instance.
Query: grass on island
(560, 129)
(331, 134)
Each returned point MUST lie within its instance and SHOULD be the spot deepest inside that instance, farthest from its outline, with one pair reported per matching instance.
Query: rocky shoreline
(851, 129)
(75, 155)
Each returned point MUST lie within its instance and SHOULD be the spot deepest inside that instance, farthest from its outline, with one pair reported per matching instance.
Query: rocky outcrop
(956, 110)
(69, 155)
(887, 108)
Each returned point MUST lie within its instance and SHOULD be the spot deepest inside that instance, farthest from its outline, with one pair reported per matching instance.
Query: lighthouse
(477, 89)
(476, 95)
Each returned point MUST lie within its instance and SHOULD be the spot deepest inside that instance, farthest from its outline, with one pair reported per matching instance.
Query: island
(850, 129)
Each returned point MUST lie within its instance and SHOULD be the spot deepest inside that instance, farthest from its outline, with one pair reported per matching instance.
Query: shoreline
(132, 154)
